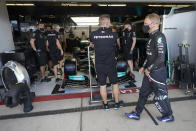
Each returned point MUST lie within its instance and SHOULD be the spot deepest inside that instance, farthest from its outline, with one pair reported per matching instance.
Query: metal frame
(90, 83)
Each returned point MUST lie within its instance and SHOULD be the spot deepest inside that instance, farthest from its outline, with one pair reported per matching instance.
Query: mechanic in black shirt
(104, 42)
(128, 44)
(51, 73)
(155, 72)
(38, 44)
(60, 53)
(55, 49)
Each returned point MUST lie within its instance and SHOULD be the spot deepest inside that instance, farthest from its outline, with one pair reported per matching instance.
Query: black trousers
(160, 91)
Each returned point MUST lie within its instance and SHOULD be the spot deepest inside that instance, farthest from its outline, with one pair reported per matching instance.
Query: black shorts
(48, 55)
(126, 53)
(104, 71)
(56, 57)
(42, 58)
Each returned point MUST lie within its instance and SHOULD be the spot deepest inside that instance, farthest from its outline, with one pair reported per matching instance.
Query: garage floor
(78, 115)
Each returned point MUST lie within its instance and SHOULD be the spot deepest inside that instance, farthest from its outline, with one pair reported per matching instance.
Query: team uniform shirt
(52, 37)
(127, 41)
(40, 45)
(104, 41)
(127, 37)
(54, 52)
(39, 40)
(155, 50)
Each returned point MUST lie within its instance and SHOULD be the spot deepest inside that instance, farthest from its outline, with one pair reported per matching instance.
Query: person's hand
(91, 45)
(141, 70)
(131, 52)
(61, 52)
(147, 72)
(38, 51)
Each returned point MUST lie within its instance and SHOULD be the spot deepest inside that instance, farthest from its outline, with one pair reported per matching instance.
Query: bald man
(104, 42)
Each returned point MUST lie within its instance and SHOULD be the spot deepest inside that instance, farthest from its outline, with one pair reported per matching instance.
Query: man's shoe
(121, 104)
(132, 115)
(106, 107)
(116, 106)
(169, 118)
(46, 79)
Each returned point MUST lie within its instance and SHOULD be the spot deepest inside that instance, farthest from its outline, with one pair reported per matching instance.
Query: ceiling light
(20, 4)
(170, 5)
(85, 19)
(74, 4)
(112, 4)
(21, 16)
(87, 23)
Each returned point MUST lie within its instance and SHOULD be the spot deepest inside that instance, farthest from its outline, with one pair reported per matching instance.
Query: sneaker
(121, 104)
(106, 107)
(132, 115)
(116, 106)
(46, 79)
(58, 79)
(169, 118)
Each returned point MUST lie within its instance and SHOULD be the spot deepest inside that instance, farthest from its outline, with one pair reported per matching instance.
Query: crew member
(60, 58)
(83, 37)
(38, 44)
(155, 72)
(104, 42)
(55, 49)
(128, 44)
(51, 73)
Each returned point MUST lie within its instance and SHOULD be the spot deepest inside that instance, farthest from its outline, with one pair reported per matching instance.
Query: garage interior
(76, 104)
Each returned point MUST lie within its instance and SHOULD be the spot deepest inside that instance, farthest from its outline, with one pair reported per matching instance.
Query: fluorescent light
(112, 4)
(10, 4)
(170, 5)
(86, 20)
(21, 15)
(74, 4)
(20, 4)
(87, 23)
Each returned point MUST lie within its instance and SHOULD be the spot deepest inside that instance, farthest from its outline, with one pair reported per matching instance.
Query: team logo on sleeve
(134, 34)
(159, 40)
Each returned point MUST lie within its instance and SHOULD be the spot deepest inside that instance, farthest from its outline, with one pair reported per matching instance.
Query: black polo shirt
(127, 37)
(40, 40)
(104, 41)
(52, 36)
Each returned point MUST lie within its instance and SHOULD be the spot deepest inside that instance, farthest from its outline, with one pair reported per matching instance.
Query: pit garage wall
(180, 28)
(6, 38)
